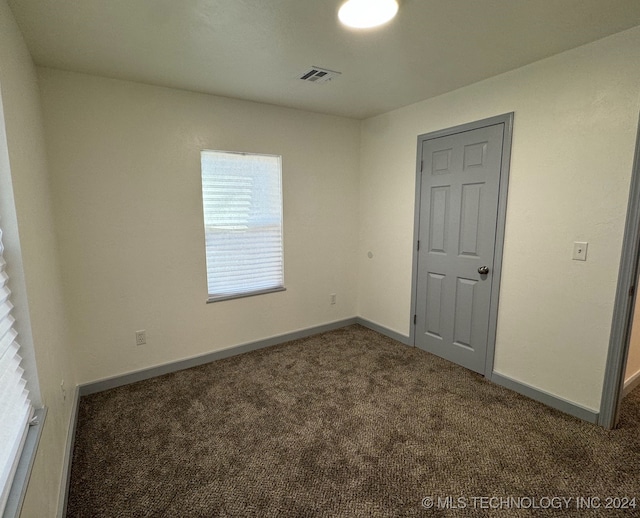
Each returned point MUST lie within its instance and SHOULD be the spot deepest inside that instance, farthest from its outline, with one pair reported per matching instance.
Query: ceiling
(256, 49)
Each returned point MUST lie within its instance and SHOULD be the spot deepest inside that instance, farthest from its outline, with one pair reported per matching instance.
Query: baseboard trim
(544, 397)
(394, 335)
(159, 370)
(140, 375)
(521, 388)
(631, 384)
(68, 455)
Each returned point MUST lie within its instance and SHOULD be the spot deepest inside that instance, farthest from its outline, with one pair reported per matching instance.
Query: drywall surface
(32, 260)
(574, 133)
(125, 165)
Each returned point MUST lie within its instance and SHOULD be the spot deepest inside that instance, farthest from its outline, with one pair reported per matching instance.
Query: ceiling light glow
(363, 14)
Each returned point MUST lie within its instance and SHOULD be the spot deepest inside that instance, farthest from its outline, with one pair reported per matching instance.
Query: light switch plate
(580, 251)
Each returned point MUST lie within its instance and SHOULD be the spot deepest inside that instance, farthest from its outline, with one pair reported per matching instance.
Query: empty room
(289, 258)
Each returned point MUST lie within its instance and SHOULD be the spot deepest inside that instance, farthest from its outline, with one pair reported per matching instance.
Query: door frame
(507, 120)
(626, 295)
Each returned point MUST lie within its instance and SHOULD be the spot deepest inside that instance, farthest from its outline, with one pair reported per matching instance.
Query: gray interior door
(459, 190)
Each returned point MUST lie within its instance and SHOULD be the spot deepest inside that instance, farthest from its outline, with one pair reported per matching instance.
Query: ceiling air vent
(318, 75)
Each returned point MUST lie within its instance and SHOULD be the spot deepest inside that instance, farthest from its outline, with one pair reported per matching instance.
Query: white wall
(576, 116)
(33, 260)
(125, 166)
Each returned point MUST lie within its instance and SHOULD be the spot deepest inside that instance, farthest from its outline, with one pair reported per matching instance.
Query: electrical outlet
(580, 251)
(63, 390)
(333, 299)
(141, 337)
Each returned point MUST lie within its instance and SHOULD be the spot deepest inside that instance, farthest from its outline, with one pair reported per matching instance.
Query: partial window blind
(15, 407)
(242, 202)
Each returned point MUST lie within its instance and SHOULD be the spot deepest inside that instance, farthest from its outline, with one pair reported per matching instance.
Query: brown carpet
(346, 423)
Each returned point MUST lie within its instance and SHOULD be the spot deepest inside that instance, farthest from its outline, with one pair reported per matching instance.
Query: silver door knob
(483, 270)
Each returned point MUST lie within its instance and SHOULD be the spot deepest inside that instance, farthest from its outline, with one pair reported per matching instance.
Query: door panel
(434, 305)
(470, 212)
(458, 215)
(465, 295)
(439, 220)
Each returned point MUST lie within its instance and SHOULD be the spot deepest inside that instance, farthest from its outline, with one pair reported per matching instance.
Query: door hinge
(632, 291)
(421, 165)
(415, 319)
(418, 245)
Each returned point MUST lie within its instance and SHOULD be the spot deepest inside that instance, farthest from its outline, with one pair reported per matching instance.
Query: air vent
(318, 75)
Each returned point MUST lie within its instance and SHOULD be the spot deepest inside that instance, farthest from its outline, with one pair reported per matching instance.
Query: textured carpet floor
(346, 423)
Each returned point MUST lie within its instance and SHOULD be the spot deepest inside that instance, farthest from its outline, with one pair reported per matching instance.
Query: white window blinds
(15, 407)
(242, 202)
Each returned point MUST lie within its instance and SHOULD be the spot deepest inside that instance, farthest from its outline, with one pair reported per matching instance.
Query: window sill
(244, 295)
(23, 471)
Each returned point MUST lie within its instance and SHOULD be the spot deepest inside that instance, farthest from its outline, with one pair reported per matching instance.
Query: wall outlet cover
(580, 251)
(141, 337)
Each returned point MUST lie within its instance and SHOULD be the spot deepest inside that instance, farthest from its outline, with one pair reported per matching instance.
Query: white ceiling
(254, 49)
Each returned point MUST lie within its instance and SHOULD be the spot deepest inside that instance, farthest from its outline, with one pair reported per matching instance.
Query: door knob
(483, 270)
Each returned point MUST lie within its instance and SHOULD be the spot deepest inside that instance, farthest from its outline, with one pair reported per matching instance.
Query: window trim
(26, 460)
(239, 295)
(210, 300)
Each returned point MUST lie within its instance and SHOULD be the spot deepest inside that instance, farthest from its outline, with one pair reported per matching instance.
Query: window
(242, 202)
(15, 407)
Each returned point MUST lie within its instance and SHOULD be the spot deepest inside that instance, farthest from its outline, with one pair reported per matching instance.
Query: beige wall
(36, 285)
(125, 166)
(125, 182)
(576, 116)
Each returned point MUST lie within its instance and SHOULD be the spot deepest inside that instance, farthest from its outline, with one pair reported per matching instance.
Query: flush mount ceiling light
(364, 14)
